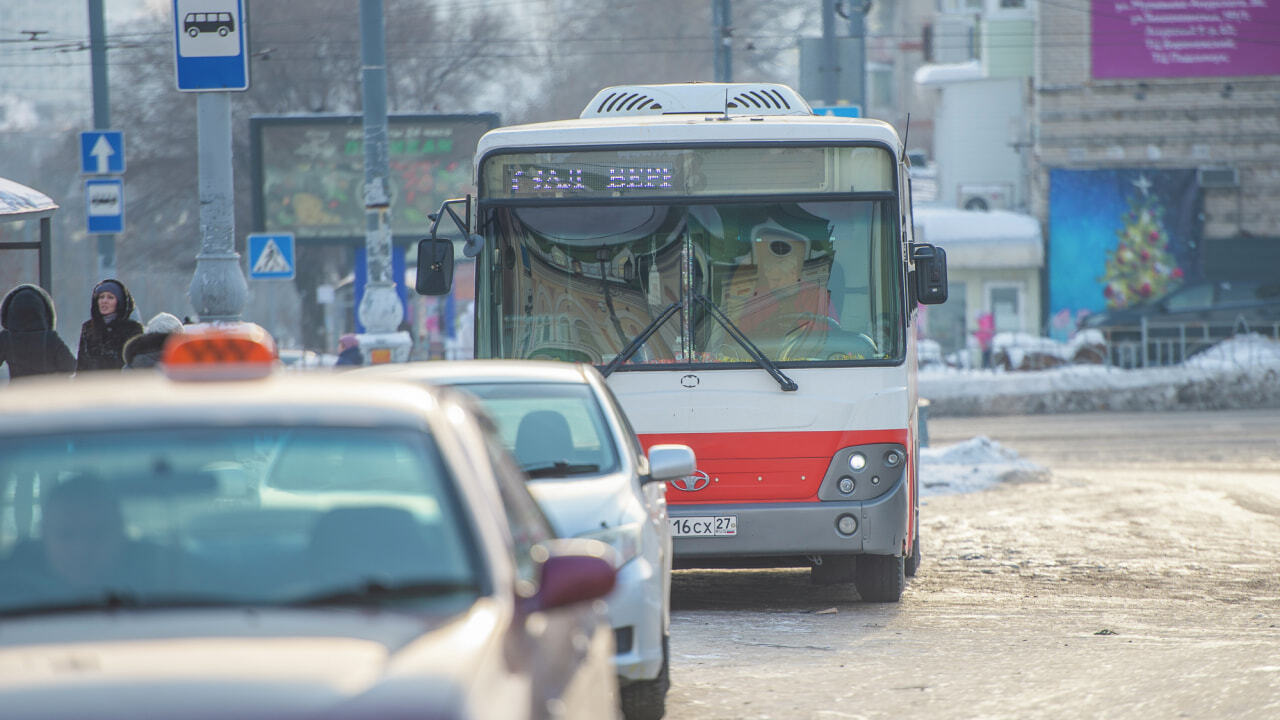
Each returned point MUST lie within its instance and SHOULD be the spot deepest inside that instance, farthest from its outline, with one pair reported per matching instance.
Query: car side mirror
(435, 266)
(573, 570)
(668, 462)
(931, 274)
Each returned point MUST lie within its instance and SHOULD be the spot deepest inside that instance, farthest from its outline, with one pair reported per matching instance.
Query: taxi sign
(219, 351)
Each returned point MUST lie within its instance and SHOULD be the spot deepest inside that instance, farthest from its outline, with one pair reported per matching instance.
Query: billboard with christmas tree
(1119, 238)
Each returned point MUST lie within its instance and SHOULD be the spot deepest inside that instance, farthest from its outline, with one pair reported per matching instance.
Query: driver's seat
(543, 438)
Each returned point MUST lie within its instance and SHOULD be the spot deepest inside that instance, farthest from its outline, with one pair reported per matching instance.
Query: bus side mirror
(435, 266)
(931, 274)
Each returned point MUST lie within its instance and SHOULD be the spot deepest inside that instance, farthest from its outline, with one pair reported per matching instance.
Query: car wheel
(647, 699)
(912, 563)
(880, 578)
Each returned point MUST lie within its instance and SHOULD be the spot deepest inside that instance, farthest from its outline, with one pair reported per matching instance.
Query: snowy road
(1140, 579)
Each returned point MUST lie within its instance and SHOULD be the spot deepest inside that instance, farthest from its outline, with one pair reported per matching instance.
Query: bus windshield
(817, 281)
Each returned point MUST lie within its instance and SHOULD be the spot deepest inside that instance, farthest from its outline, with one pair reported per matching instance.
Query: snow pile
(972, 465)
(1241, 372)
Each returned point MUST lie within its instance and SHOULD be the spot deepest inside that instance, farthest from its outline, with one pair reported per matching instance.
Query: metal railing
(1151, 344)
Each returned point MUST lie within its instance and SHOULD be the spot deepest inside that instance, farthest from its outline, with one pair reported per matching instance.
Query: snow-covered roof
(18, 202)
(982, 239)
(937, 74)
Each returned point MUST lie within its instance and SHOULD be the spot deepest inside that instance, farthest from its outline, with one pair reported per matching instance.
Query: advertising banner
(309, 171)
(1184, 38)
(1119, 238)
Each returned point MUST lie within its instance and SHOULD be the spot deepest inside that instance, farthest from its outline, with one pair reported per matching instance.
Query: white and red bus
(745, 274)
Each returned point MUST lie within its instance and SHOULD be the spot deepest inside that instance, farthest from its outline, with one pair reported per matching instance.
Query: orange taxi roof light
(212, 351)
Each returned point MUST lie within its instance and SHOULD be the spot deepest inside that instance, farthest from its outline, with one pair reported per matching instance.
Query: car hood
(583, 504)
(240, 663)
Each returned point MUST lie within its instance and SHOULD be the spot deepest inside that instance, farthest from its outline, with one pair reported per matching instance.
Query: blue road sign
(271, 256)
(849, 111)
(209, 42)
(104, 205)
(102, 152)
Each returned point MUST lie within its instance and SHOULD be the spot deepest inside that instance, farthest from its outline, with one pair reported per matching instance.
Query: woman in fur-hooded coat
(103, 335)
(28, 342)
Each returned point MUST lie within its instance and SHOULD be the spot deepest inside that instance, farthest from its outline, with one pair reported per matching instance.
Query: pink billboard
(1185, 38)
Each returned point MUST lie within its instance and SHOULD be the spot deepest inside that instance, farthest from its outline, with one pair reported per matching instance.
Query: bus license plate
(704, 526)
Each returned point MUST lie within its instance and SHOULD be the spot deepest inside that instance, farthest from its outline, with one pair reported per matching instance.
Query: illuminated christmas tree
(1140, 267)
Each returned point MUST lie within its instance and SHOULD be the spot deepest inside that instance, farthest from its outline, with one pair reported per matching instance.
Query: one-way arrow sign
(102, 152)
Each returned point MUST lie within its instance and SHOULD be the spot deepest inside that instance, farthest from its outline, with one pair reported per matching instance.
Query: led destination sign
(683, 172)
(530, 179)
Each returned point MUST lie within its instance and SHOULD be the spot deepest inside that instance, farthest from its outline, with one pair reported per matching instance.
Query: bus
(745, 274)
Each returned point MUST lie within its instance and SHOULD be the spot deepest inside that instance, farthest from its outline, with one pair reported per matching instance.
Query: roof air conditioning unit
(697, 98)
(1221, 177)
(985, 197)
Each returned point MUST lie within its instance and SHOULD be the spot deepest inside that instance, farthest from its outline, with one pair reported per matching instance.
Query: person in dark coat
(28, 341)
(144, 351)
(103, 335)
(349, 351)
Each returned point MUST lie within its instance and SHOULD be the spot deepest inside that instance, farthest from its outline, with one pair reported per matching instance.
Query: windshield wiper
(643, 337)
(115, 600)
(558, 469)
(787, 384)
(373, 592)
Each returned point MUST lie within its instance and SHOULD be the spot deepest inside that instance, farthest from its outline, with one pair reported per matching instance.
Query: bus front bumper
(791, 529)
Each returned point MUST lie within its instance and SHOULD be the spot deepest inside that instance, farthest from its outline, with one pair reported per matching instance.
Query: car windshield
(553, 429)
(230, 516)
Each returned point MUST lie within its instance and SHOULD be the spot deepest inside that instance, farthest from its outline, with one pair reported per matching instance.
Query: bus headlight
(857, 461)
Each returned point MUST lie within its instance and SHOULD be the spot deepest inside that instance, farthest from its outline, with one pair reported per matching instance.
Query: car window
(228, 515)
(543, 424)
(1237, 292)
(529, 526)
(630, 432)
(1196, 296)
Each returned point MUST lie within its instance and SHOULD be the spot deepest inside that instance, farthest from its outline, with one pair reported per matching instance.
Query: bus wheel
(880, 578)
(913, 560)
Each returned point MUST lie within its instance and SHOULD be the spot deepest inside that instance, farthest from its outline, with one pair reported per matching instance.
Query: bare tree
(305, 57)
(588, 46)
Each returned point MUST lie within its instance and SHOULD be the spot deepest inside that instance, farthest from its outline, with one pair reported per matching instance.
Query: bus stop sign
(210, 43)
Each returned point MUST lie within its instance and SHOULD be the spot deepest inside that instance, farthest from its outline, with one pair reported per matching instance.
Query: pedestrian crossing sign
(271, 256)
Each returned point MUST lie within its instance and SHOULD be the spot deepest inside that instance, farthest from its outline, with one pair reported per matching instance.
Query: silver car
(286, 545)
(593, 479)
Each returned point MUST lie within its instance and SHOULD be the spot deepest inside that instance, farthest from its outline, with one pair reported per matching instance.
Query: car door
(567, 653)
(652, 494)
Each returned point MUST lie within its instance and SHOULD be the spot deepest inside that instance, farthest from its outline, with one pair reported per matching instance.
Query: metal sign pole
(380, 309)
(218, 288)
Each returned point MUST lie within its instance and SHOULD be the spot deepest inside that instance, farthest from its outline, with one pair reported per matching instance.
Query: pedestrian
(349, 351)
(144, 351)
(28, 342)
(984, 334)
(109, 327)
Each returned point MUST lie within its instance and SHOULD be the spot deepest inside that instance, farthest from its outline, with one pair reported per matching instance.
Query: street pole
(218, 287)
(722, 38)
(101, 116)
(380, 309)
(830, 68)
(858, 31)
